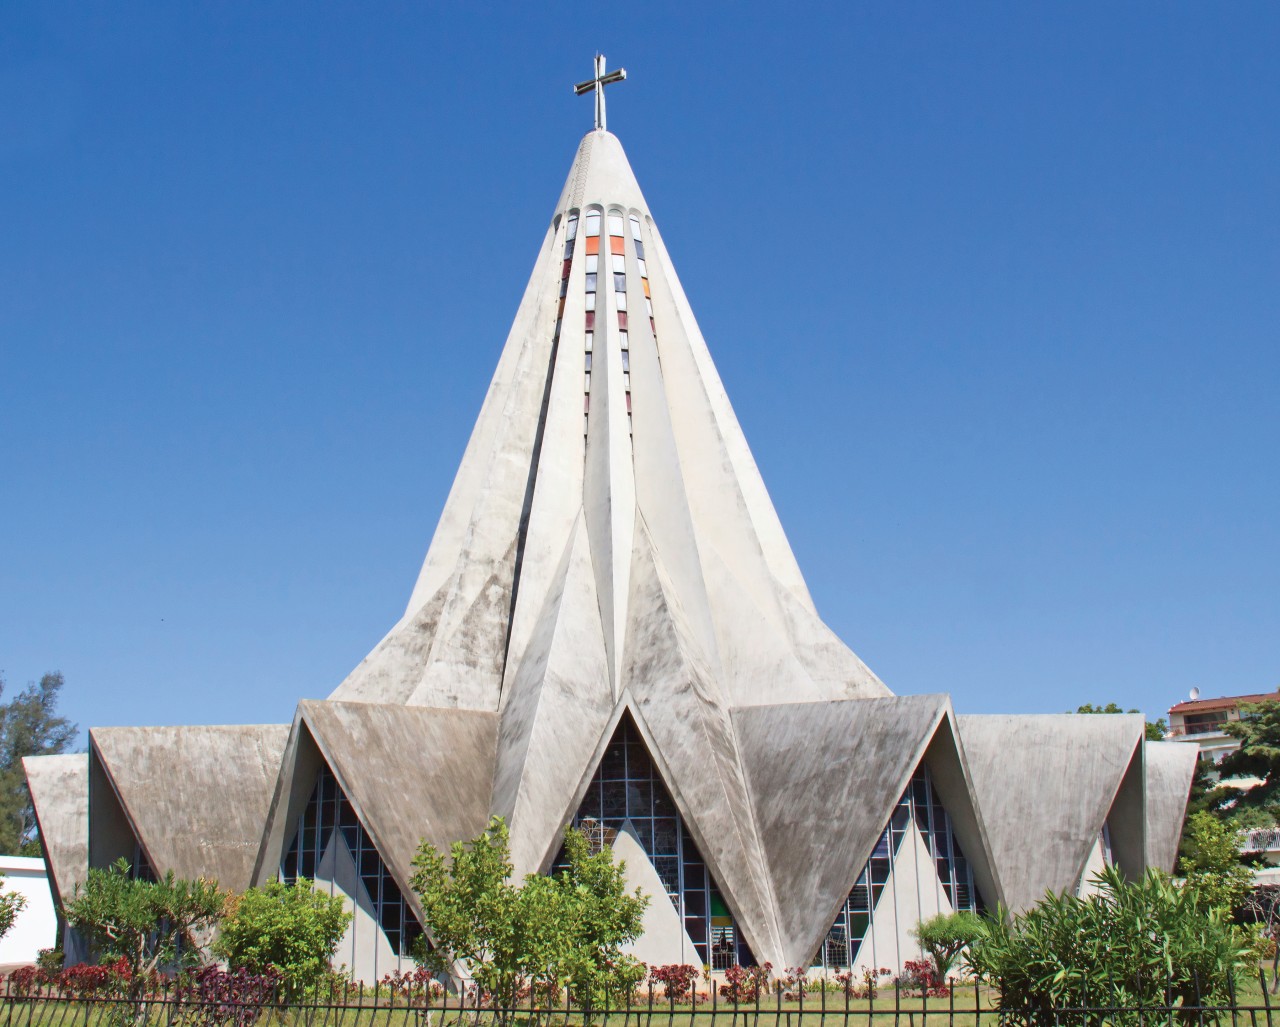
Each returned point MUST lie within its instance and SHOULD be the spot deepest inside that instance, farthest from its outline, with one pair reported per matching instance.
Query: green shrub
(1147, 943)
(144, 925)
(945, 936)
(292, 929)
(1210, 862)
(548, 933)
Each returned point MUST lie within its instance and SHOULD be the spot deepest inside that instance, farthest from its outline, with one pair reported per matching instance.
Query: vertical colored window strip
(570, 234)
(590, 278)
(644, 272)
(618, 273)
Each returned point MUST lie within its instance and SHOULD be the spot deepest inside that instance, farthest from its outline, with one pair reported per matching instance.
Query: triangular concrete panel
(410, 773)
(554, 714)
(59, 788)
(196, 797)
(1045, 785)
(1170, 768)
(683, 715)
(851, 756)
(663, 940)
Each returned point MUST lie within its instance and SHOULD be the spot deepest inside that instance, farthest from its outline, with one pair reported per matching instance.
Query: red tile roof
(1226, 702)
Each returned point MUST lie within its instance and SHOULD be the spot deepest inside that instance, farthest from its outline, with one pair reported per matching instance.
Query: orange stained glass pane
(646, 287)
(593, 244)
(560, 312)
(615, 244)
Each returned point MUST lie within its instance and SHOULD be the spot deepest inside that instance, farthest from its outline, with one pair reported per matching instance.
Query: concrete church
(610, 630)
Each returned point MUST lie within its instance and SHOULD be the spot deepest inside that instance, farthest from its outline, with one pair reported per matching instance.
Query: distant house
(1201, 722)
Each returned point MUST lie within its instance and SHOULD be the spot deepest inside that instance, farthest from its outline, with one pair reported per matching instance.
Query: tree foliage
(11, 904)
(148, 925)
(29, 726)
(1155, 729)
(550, 933)
(292, 929)
(1210, 862)
(945, 936)
(1145, 943)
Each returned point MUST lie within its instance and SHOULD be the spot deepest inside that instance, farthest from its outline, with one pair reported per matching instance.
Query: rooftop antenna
(1195, 693)
(598, 83)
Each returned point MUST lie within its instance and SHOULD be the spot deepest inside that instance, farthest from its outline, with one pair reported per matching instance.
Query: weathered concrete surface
(1044, 785)
(410, 773)
(805, 762)
(60, 793)
(659, 450)
(194, 797)
(1169, 769)
(609, 548)
(553, 715)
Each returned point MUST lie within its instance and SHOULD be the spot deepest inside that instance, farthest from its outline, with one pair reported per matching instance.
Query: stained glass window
(919, 805)
(328, 811)
(628, 787)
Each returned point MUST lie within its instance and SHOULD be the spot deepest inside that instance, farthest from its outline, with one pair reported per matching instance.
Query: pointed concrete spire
(605, 413)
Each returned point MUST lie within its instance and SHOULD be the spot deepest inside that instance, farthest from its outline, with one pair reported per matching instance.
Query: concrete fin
(851, 756)
(555, 711)
(59, 788)
(1045, 784)
(465, 666)
(682, 713)
(659, 482)
(410, 773)
(1170, 767)
(363, 947)
(664, 940)
(912, 894)
(196, 797)
(392, 672)
(482, 513)
(725, 483)
(608, 487)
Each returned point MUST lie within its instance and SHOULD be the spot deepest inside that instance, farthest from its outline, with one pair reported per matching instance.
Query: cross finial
(598, 83)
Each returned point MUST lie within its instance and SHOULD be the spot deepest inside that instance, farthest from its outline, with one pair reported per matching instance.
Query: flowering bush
(676, 979)
(746, 983)
(921, 975)
(797, 982)
(78, 981)
(419, 983)
(227, 998)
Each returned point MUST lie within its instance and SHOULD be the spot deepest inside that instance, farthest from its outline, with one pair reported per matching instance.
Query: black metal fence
(962, 1005)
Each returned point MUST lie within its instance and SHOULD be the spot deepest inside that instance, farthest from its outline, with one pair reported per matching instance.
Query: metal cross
(598, 83)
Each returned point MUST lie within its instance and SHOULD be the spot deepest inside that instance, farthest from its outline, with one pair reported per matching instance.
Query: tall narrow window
(327, 826)
(919, 806)
(626, 788)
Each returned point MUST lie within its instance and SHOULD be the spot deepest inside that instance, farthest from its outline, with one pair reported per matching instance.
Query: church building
(610, 630)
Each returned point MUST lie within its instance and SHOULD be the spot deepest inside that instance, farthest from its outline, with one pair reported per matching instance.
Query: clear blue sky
(995, 290)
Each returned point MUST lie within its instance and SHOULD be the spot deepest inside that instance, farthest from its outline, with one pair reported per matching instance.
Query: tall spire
(598, 83)
(607, 487)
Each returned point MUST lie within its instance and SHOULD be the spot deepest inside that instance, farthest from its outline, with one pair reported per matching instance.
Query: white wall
(37, 925)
